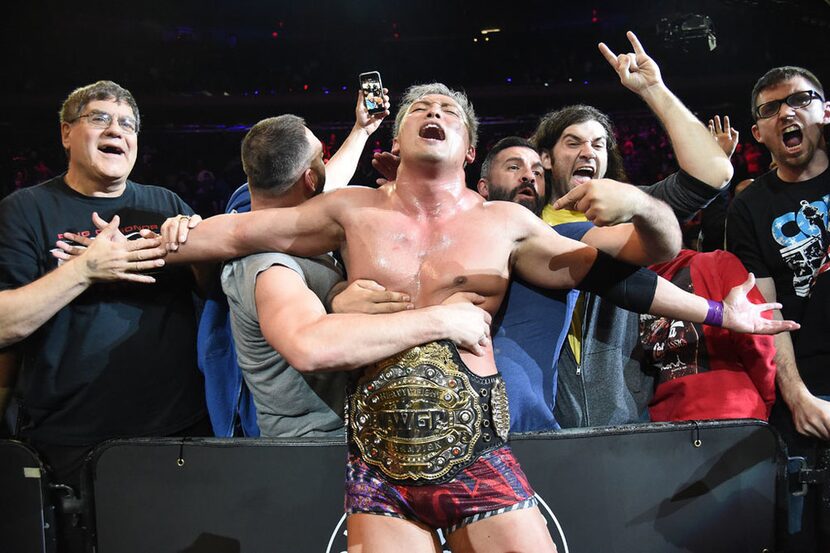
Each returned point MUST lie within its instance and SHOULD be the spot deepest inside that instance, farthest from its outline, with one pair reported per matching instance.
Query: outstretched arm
(546, 259)
(295, 323)
(342, 165)
(311, 228)
(696, 152)
(652, 237)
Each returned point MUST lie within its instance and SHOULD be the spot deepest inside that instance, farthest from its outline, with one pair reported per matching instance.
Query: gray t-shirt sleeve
(685, 194)
(239, 276)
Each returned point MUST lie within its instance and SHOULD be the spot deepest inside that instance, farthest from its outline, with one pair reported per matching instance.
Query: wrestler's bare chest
(430, 257)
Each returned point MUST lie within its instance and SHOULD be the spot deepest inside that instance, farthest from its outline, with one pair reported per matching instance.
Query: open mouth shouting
(432, 131)
(792, 137)
(583, 174)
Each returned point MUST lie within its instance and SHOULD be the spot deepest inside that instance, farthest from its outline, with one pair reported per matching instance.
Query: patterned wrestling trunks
(493, 485)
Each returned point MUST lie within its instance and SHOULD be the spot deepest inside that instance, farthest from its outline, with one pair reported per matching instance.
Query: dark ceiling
(224, 62)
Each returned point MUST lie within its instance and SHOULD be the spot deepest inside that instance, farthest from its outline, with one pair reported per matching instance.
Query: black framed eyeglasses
(795, 100)
(103, 120)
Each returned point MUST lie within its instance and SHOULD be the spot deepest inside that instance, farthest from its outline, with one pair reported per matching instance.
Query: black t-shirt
(779, 230)
(120, 359)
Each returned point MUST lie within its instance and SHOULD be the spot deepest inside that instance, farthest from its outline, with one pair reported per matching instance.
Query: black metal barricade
(700, 487)
(26, 519)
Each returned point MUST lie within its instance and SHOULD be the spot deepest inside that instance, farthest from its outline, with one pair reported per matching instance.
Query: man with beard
(532, 323)
(778, 228)
(525, 182)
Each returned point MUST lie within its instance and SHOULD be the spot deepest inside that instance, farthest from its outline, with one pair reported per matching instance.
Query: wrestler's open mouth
(792, 136)
(432, 131)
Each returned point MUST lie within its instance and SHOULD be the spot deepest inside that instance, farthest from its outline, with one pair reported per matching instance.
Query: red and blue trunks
(492, 485)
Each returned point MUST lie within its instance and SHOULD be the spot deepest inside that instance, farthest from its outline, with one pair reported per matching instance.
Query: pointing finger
(571, 198)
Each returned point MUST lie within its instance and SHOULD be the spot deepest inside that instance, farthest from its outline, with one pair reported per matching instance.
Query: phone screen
(372, 91)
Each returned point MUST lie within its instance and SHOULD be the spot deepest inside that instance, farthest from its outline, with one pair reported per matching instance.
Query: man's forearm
(229, 236)
(659, 232)
(348, 341)
(786, 376)
(23, 310)
(696, 151)
(342, 165)
(675, 303)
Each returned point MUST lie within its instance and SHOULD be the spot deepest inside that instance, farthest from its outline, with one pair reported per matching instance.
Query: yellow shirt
(557, 217)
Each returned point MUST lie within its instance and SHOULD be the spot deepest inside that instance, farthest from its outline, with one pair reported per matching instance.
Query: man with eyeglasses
(101, 354)
(778, 228)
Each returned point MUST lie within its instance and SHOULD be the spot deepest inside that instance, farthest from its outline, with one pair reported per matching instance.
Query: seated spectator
(703, 371)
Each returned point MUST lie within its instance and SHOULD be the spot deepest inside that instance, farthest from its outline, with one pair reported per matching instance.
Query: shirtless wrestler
(414, 415)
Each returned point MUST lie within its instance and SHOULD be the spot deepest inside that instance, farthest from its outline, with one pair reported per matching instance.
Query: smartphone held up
(372, 88)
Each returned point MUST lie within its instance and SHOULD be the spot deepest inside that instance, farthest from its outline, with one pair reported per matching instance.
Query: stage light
(688, 32)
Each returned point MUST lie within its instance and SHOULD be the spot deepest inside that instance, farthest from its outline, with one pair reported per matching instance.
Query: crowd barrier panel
(704, 487)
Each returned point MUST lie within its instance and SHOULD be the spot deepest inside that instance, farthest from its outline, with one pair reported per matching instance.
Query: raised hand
(370, 122)
(638, 72)
(724, 135)
(741, 315)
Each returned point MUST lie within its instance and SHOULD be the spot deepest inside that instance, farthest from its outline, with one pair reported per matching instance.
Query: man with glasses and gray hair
(101, 354)
(778, 228)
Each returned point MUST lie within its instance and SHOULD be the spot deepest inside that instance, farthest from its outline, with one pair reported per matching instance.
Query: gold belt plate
(418, 417)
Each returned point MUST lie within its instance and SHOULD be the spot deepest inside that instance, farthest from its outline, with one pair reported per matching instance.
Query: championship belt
(422, 415)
